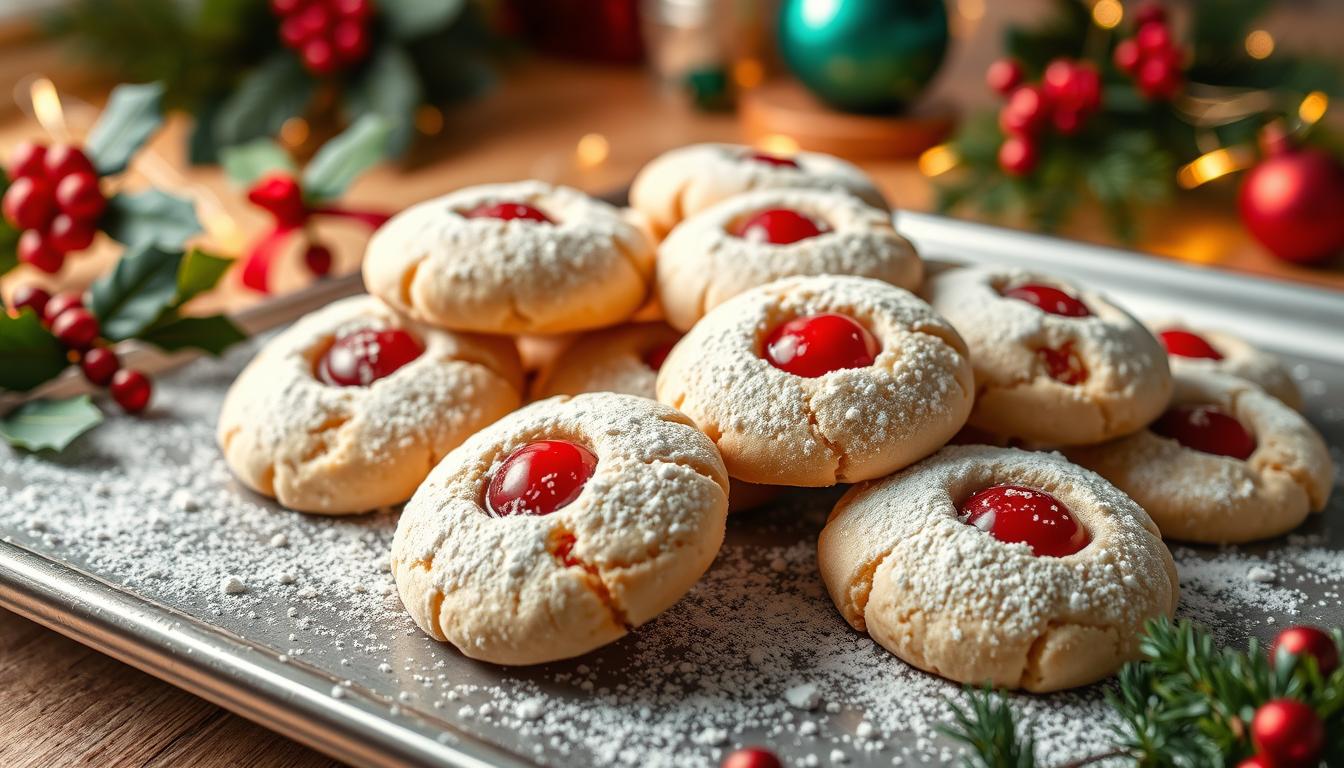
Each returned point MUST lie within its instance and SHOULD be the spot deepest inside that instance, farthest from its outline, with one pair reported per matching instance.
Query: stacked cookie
(750, 324)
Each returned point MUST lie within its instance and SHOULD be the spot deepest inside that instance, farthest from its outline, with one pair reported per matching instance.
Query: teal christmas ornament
(871, 56)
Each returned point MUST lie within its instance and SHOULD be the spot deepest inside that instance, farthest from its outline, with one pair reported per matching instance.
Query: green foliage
(133, 113)
(136, 292)
(245, 164)
(9, 235)
(268, 95)
(988, 727)
(391, 89)
(152, 216)
(341, 160)
(31, 354)
(212, 334)
(49, 424)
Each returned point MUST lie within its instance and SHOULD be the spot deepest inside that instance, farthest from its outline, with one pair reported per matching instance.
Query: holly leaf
(212, 334)
(49, 424)
(9, 234)
(390, 87)
(247, 163)
(345, 157)
(267, 96)
(414, 18)
(31, 354)
(152, 216)
(136, 292)
(132, 115)
(198, 273)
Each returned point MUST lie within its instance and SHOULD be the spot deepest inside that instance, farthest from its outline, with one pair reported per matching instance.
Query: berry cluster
(1151, 56)
(1288, 733)
(1069, 93)
(328, 35)
(76, 327)
(54, 200)
(281, 196)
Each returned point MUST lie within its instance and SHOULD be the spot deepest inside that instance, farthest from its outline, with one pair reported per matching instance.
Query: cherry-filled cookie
(1226, 463)
(998, 566)
(1054, 364)
(755, 238)
(348, 409)
(1206, 351)
(560, 528)
(813, 381)
(685, 181)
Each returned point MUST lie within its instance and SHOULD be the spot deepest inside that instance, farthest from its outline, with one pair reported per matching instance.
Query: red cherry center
(1018, 514)
(778, 226)
(539, 478)
(775, 160)
(1206, 428)
(508, 212)
(816, 345)
(1063, 364)
(1187, 344)
(1048, 298)
(655, 357)
(363, 357)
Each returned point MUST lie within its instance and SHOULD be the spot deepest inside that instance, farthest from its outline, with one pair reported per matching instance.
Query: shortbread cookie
(998, 566)
(513, 258)
(813, 381)
(758, 237)
(1205, 351)
(1226, 463)
(560, 528)
(682, 182)
(1054, 364)
(624, 359)
(348, 409)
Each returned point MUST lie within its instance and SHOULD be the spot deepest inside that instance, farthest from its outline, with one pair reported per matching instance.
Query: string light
(1212, 165)
(1313, 107)
(47, 108)
(592, 150)
(1107, 14)
(1259, 44)
(778, 144)
(938, 160)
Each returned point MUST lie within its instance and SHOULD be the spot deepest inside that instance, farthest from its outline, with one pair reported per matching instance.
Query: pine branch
(988, 727)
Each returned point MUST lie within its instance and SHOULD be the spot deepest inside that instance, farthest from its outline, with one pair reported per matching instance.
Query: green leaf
(132, 115)
(9, 234)
(345, 157)
(212, 334)
(390, 87)
(53, 424)
(414, 18)
(31, 354)
(267, 96)
(152, 216)
(247, 163)
(136, 292)
(199, 272)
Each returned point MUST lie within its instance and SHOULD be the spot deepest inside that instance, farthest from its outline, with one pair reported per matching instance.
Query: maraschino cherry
(363, 357)
(1063, 364)
(1016, 513)
(508, 212)
(539, 478)
(778, 226)
(1187, 344)
(775, 160)
(1048, 298)
(1307, 641)
(655, 357)
(818, 344)
(1206, 428)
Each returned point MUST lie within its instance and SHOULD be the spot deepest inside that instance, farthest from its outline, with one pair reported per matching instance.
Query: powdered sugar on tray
(755, 654)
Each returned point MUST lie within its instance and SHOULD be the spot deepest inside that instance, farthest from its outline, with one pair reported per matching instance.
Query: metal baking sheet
(155, 556)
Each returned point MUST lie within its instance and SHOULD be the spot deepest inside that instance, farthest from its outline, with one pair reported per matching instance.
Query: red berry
(1206, 428)
(1004, 75)
(318, 56)
(775, 160)
(281, 195)
(29, 296)
(818, 344)
(1016, 513)
(315, 18)
(1187, 344)
(1048, 298)
(1158, 78)
(751, 757)
(1066, 121)
(293, 33)
(131, 390)
(1063, 364)
(363, 357)
(1026, 110)
(76, 328)
(1075, 85)
(1254, 761)
(1127, 56)
(27, 159)
(58, 304)
(654, 358)
(1153, 37)
(778, 226)
(318, 259)
(67, 233)
(1289, 733)
(1307, 641)
(78, 194)
(284, 8)
(65, 159)
(353, 9)
(1150, 13)
(351, 41)
(1018, 155)
(28, 203)
(34, 249)
(99, 364)
(508, 211)
(539, 478)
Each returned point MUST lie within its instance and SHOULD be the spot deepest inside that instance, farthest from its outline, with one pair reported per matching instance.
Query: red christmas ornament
(1187, 344)
(540, 478)
(1048, 298)
(363, 357)
(131, 390)
(751, 757)
(816, 345)
(1288, 733)
(1308, 641)
(1206, 428)
(1291, 201)
(1016, 513)
(778, 226)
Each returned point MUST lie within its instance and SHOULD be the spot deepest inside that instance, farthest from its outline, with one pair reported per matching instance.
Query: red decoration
(1254, 761)
(131, 390)
(751, 757)
(363, 357)
(99, 365)
(1004, 75)
(1018, 514)
(1308, 641)
(55, 200)
(1288, 733)
(816, 345)
(58, 304)
(1291, 201)
(1048, 298)
(30, 297)
(596, 30)
(1187, 344)
(328, 35)
(1063, 364)
(540, 478)
(509, 212)
(775, 160)
(1018, 155)
(1151, 56)
(1026, 111)
(1206, 428)
(318, 259)
(655, 357)
(35, 249)
(778, 226)
(76, 328)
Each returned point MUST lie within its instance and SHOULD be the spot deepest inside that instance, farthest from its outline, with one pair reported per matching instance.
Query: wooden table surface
(63, 704)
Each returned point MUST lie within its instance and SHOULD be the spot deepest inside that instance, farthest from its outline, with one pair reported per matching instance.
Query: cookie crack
(322, 433)
(408, 278)
(561, 546)
(821, 437)
(861, 588)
